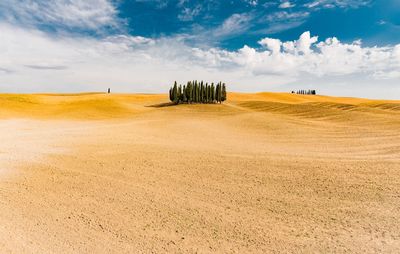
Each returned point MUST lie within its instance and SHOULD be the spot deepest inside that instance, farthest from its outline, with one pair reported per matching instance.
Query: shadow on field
(162, 105)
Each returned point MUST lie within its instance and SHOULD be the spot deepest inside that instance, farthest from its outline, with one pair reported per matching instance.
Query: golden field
(266, 172)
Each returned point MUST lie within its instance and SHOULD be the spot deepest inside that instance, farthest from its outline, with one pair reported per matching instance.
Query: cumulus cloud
(326, 58)
(274, 45)
(34, 61)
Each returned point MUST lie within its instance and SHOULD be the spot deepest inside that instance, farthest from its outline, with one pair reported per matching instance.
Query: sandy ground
(95, 173)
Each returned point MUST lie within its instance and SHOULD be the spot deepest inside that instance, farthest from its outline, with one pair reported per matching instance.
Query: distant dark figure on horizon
(109, 90)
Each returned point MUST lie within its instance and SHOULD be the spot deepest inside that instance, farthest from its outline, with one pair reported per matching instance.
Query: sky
(337, 47)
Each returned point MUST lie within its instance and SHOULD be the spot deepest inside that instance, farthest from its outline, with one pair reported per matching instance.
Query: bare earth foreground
(98, 173)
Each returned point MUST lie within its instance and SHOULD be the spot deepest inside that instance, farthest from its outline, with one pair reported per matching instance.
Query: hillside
(267, 172)
(104, 106)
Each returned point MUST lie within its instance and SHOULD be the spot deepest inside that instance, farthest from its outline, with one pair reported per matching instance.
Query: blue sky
(338, 47)
(375, 22)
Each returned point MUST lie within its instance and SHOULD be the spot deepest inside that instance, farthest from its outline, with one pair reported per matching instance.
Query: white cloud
(286, 5)
(252, 2)
(286, 16)
(313, 4)
(188, 14)
(283, 20)
(33, 61)
(317, 4)
(74, 14)
(235, 24)
(274, 45)
(305, 41)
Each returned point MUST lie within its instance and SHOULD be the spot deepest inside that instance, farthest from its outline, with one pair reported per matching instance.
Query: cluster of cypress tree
(312, 92)
(197, 92)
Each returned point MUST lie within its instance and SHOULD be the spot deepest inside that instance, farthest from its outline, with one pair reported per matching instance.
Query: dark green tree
(195, 92)
(206, 93)
(202, 92)
(198, 93)
(190, 92)
(212, 93)
(184, 98)
(223, 92)
(218, 92)
(175, 93)
(180, 96)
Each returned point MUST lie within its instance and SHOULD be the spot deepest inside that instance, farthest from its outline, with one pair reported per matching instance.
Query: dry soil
(99, 173)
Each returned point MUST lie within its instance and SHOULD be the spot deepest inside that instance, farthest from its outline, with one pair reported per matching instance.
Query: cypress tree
(187, 91)
(220, 92)
(198, 93)
(212, 93)
(175, 92)
(191, 92)
(206, 93)
(223, 92)
(184, 99)
(195, 92)
(202, 92)
(217, 93)
(180, 93)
